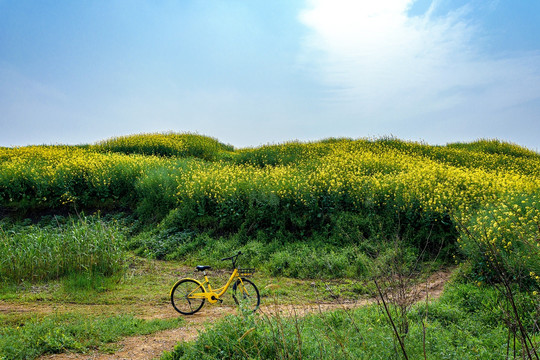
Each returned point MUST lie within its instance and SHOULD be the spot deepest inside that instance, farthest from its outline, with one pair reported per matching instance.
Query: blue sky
(256, 72)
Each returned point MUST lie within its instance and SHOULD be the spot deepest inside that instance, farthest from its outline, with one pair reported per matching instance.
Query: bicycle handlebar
(232, 257)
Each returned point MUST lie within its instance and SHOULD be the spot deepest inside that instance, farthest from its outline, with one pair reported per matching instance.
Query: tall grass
(83, 245)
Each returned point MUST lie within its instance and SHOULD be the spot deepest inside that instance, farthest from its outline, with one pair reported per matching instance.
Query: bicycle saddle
(203, 267)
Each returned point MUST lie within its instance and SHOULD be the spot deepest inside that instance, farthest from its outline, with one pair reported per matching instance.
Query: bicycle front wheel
(246, 294)
(187, 296)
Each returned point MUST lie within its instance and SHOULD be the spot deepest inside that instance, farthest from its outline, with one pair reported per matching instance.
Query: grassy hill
(329, 209)
(343, 197)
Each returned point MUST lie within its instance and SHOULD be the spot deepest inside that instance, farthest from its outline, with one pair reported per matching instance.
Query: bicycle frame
(213, 295)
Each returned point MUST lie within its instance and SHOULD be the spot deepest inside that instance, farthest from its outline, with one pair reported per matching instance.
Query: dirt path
(153, 345)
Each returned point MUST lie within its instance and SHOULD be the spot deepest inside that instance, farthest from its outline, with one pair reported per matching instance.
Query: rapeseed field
(301, 189)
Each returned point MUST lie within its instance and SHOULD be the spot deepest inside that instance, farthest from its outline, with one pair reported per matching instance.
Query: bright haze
(256, 72)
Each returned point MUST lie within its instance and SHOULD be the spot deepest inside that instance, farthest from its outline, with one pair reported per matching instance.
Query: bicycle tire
(249, 294)
(180, 299)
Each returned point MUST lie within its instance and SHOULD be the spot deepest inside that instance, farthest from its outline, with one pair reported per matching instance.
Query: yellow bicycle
(188, 295)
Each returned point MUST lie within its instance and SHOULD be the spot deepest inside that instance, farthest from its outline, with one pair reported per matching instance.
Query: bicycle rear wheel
(187, 296)
(246, 294)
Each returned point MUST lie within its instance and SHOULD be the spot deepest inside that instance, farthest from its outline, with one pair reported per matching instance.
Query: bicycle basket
(246, 272)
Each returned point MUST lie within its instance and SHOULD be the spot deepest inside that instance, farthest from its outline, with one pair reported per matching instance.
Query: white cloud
(386, 66)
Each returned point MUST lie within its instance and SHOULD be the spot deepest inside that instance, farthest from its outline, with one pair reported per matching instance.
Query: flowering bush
(37, 177)
(503, 240)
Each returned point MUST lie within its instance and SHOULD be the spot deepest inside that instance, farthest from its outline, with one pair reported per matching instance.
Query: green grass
(73, 332)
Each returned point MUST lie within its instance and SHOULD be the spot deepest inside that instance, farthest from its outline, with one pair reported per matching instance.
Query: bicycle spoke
(187, 296)
(249, 298)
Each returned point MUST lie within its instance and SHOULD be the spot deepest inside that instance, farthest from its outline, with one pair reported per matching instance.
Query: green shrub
(496, 147)
(166, 144)
(156, 192)
(502, 242)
